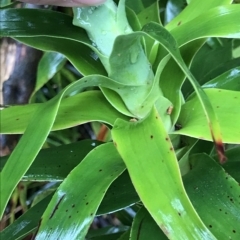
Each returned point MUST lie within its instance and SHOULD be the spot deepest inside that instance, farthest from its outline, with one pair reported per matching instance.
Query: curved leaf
(144, 227)
(33, 138)
(229, 80)
(217, 22)
(232, 166)
(215, 196)
(48, 66)
(24, 24)
(168, 42)
(54, 164)
(194, 9)
(26, 223)
(71, 210)
(14, 120)
(84, 59)
(156, 177)
(193, 121)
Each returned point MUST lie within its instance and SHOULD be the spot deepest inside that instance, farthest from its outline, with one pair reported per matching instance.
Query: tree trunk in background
(18, 68)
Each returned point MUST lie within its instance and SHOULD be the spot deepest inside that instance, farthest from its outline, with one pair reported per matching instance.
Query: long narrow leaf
(14, 120)
(33, 138)
(72, 209)
(157, 178)
(168, 42)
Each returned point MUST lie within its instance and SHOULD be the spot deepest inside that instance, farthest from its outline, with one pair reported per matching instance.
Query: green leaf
(193, 10)
(217, 22)
(193, 121)
(168, 42)
(173, 8)
(71, 210)
(156, 177)
(26, 223)
(23, 24)
(15, 119)
(215, 52)
(229, 80)
(172, 89)
(33, 138)
(5, 3)
(82, 57)
(120, 194)
(215, 196)
(144, 227)
(232, 166)
(54, 164)
(48, 66)
(106, 233)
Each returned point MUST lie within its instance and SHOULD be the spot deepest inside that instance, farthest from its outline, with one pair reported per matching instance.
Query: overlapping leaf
(193, 121)
(79, 204)
(215, 196)
(167, 201)
(16, 118)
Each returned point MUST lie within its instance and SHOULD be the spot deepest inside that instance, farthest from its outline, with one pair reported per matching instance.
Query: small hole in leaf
(234, 231)
(210, 226)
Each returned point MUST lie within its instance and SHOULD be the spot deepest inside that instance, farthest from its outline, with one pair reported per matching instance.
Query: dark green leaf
(215, 196)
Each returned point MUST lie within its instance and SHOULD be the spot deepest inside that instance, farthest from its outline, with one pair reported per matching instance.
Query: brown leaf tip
(221, 152)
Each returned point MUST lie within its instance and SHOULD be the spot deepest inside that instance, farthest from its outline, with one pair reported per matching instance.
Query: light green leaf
(193, 10)
(14, 120)
(33, 138)
(5, 3)
(79, 204)
(218, 22)
(226, 105)
(215, 196)
(156, 177)
(168, 42)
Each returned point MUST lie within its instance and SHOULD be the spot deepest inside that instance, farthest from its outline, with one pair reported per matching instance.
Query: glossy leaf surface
(24, 24)
(79, 204)
(229, 80)
(226, 105)
(215, 196)
(132, 139)
(54, 164)
(26, 223)
(48, 66)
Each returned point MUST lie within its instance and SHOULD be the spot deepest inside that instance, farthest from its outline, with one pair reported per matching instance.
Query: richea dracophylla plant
(170, 96)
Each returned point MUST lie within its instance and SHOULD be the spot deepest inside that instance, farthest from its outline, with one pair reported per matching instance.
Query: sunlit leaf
(156, 177)
(226, 105)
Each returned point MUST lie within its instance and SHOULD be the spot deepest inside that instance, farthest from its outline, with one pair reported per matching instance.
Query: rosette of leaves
(164, 130)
